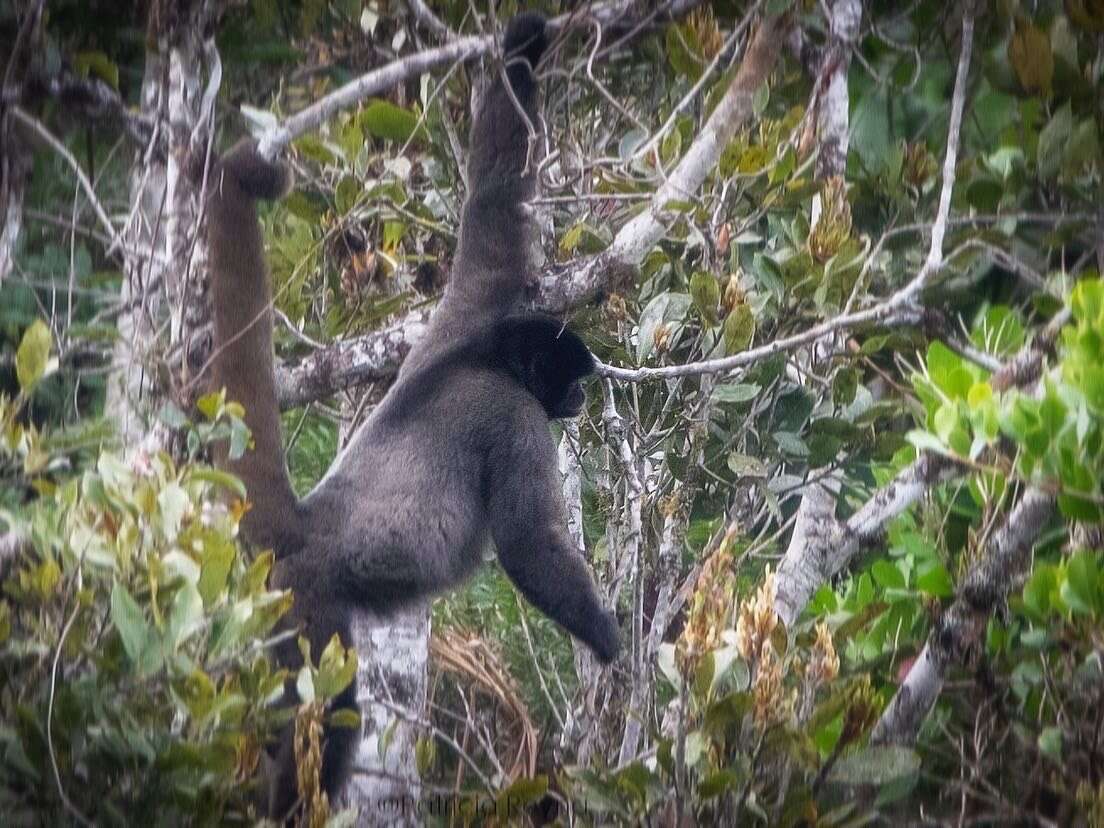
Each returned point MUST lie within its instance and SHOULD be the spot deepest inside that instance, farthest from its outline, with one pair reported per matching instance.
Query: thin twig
(57, 146)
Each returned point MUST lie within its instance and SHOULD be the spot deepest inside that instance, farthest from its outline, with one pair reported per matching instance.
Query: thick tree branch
(350, 362)
(1005, 559)
(379, 354)
(822, 546)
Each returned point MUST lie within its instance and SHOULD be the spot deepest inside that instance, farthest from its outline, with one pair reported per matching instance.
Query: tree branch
(461, 50)
(378, 354)
(821, 546)
(953, 636)
(39, 129)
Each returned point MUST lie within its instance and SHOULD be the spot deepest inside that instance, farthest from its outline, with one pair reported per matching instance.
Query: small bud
(834, 226)
(661, 339)
(733, 294)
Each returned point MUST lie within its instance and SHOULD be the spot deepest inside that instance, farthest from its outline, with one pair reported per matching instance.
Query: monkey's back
(420, 462)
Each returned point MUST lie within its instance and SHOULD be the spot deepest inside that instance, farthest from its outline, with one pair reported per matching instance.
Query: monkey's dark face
(570, 403)
(557, 383)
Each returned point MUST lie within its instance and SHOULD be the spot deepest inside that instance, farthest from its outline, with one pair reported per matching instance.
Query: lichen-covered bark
(164, 297)
(393, 655)
(821, 546)
(957, 632)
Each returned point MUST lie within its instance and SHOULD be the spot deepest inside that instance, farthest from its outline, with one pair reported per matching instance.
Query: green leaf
(1052, 142)
(32, 360)
(739, 328)
(1038, 591)
(425, 754)
(718, 782)
(876, 765)
(521, 794)
(185, 616)
(336, 668)
(385, 120)
(844, 386)
(682, 51)
(217, 477)
(791, 444)
(936, 581)
(665, 660)
(735, 392)
(346, 194)
(137, 636)
(706, 294)
(97, 64)
(888, 575)
(1081, 589)
(744, 465)
(172, 416)
(1050, 743)
(218, 557)
(345, 717)
(1031, 57)
(210, 404)
(313, 148)
(667, 308)
(173, 504)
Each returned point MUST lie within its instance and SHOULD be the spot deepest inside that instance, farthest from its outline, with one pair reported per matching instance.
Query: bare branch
(39, 129)
(380, 80)
(350, 362)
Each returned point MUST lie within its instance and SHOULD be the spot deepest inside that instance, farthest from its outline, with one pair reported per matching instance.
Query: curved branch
(1006, 557)
(378, 354)
(461, 50)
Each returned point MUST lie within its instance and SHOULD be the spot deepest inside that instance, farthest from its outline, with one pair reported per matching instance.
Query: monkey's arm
(243, 358)
(529, 527)
(492, 263)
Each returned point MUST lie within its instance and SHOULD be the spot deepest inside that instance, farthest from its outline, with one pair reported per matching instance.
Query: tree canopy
(841, 477)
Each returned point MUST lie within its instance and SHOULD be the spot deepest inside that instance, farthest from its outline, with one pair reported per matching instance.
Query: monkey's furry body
(458, 452)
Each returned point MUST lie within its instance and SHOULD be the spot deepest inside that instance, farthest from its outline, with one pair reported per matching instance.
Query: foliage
(132, 633)
(134, 566)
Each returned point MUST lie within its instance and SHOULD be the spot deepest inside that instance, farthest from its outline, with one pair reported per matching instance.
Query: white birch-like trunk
(392, 671)
(15, 166)
(392, 674)
(163, 295)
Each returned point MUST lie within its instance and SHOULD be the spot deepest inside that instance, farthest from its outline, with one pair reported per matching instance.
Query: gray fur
(459, 452)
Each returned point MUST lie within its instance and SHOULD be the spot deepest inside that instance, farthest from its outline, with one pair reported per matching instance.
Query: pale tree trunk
(15, 155)
(577, 737)
(818, 505)
(165, 309)
(392, 681)
(15, 166)
(392, 675)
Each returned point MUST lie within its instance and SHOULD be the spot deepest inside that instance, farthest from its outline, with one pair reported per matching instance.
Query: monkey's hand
(605, 638)
(252, 174)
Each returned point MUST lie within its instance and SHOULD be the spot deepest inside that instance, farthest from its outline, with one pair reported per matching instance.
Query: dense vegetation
(848, 509)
